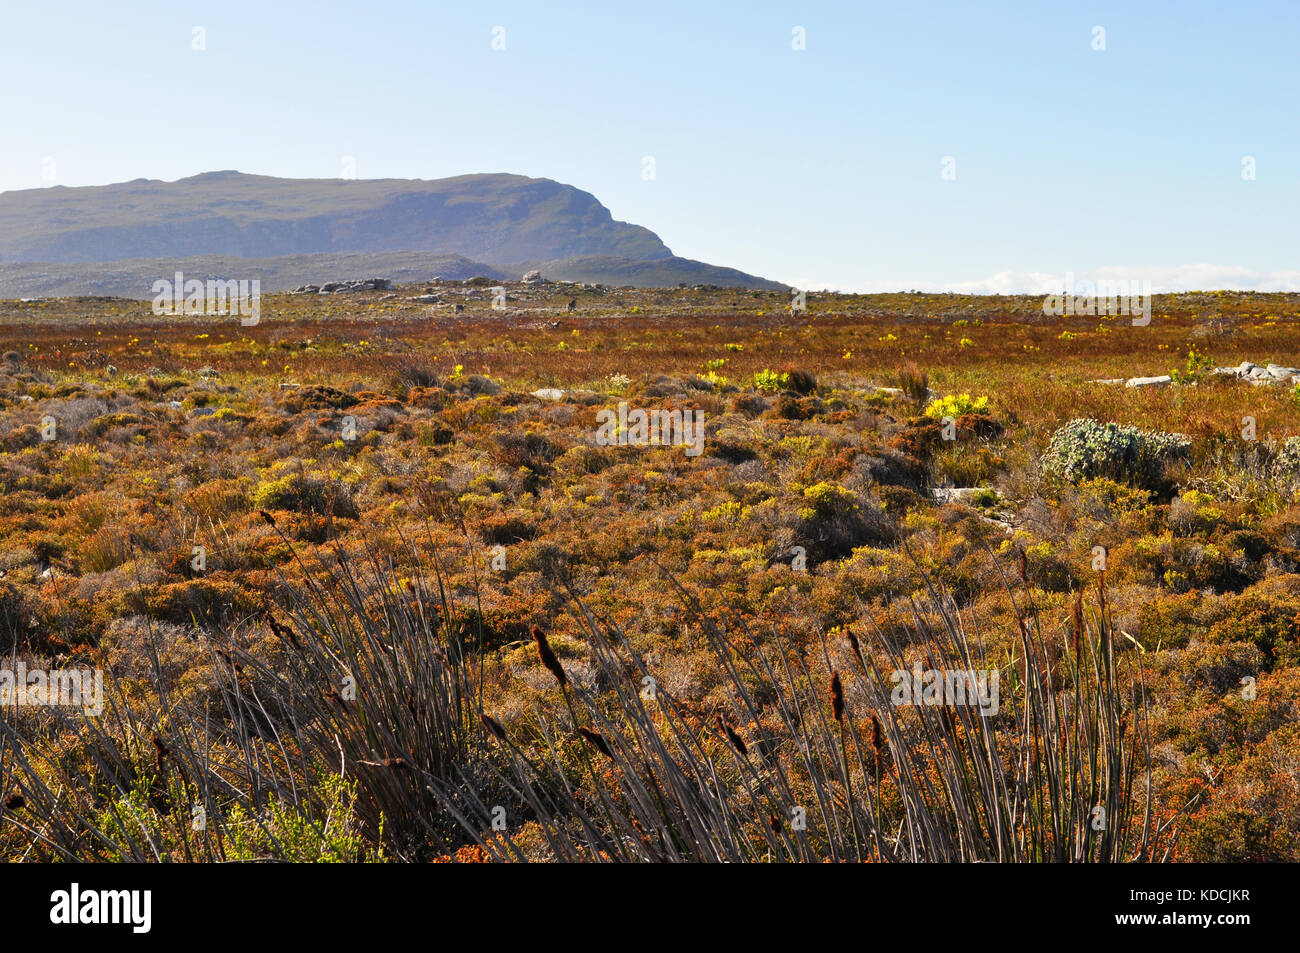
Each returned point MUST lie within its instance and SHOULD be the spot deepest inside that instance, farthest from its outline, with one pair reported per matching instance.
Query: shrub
(1084, 449)
(288, 831)
(913, 382)
(1286, 466)
(801, 382)
(833, 521)
(954, 405)
(305, 493)
(408, 374)
(771, 381)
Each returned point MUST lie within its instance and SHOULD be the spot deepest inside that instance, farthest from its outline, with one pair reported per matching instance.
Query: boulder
(353, 284)
(1160, 381)
(957, 494)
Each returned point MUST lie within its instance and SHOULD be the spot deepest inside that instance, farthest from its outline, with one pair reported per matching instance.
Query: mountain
(58, 236)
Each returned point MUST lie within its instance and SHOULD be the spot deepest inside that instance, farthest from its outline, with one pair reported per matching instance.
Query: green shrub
(1085, 449)
(305, 493)
(954, 405)
(291, 832)
(771, 381)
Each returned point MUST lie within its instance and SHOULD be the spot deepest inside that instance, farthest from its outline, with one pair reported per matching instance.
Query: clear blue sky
(820, 167)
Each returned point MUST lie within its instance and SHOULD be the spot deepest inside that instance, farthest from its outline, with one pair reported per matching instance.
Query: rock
(549, 393)
(954, 494)
(428, 299)
(1108, 380)
(1254, 374)
(353, 284)
(1160, 381)
(206, 371)
(203, 411)
(534, 277)
(890, 391)
(478, 384)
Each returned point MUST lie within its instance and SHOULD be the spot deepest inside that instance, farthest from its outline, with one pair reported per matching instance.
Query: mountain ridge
(498, 219)
(85, 239)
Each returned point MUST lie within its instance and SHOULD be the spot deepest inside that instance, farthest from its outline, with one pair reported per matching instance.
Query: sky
(979, 147)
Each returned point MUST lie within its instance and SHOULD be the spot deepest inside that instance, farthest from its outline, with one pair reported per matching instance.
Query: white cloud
(1163, 278)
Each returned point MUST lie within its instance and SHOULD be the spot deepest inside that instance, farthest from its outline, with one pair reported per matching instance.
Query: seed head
(597, 740)
(548, 657)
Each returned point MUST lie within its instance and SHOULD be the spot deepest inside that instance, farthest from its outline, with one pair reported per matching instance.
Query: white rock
(1108, 380)
(1160, 381)
(549, 393)
(957, 494)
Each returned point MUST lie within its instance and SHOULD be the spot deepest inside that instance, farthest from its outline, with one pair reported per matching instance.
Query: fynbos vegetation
(372, 582)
